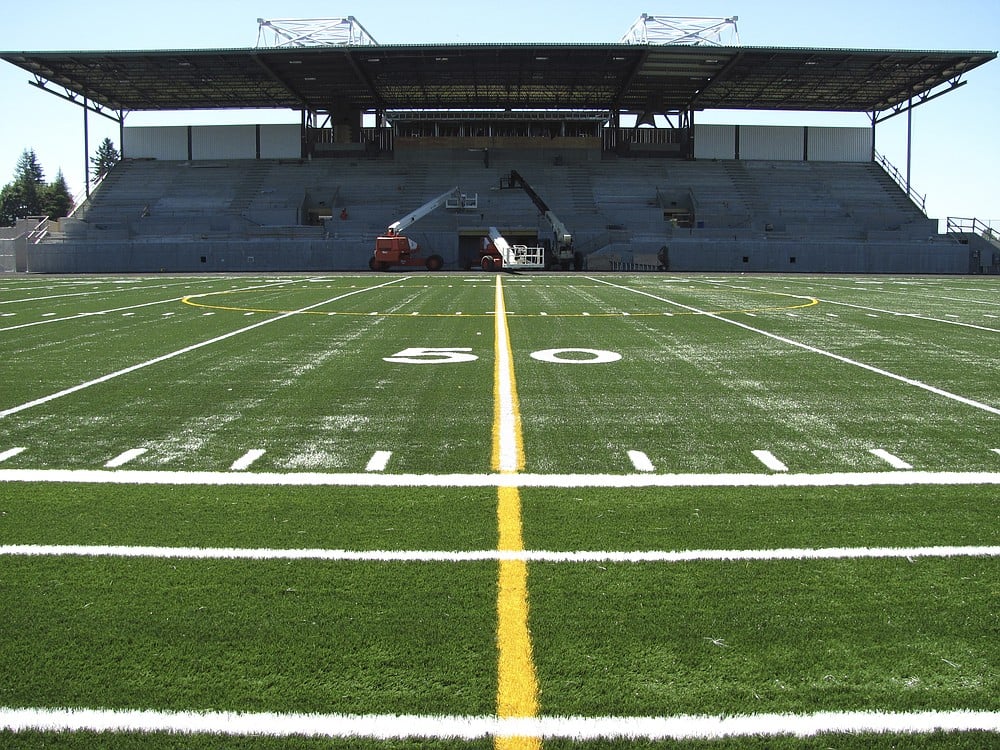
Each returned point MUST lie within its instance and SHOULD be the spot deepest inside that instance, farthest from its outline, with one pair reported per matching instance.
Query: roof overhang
(641, 78)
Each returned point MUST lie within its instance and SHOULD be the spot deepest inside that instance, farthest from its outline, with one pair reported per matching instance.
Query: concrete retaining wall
(352, 254)
(218, 255)
(796, 256)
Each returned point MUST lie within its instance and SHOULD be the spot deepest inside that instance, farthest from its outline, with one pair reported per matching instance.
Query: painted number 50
(426, 355)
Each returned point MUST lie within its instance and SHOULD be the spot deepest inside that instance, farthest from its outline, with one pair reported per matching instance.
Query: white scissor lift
(499, 254)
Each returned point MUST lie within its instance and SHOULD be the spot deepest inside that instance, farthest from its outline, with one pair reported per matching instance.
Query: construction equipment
(497, 253)
(561, 252)
(395, 249)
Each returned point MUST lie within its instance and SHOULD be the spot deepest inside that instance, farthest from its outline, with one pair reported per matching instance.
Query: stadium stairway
(249, 186)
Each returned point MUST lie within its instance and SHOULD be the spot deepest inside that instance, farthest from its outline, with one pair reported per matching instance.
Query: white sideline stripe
(641, 461)
(124, 458)
(10, 453)
(912, 315)
(493, 555)
(553, 481)
(89, 314)
(393, 726)
(246, 460)
(185, 350)
(115, 309)
(378, 461)
(996, 450)
(770, 461)
(139, 287)
(894, 461)
(813, 349)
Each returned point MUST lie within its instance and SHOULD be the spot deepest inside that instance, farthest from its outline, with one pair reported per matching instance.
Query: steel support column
(874, 119)
(909, 142)
(86, 149)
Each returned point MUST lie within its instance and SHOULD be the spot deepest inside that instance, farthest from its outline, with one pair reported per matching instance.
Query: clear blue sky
(956, 156)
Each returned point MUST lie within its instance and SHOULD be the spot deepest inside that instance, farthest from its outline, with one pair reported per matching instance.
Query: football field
(512, 511)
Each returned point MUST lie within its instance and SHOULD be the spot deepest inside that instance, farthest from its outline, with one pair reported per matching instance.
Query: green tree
(11, 201)
(28, 195)
(104, 160)
(28, 169)
(29, 182)
(56, 199)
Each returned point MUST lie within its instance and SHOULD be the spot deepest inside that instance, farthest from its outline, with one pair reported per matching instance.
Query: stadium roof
(653, 78)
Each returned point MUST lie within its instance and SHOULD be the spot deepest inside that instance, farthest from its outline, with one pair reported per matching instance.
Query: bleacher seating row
(612, 206)
(175, 198)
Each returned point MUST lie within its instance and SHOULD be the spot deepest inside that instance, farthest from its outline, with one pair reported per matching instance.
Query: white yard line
(911, 315)
(245, 461)
(98, 313)
(884, 289)
(813, 349)
(554, 481)
(641, 461)
(894, 461)
(108, 291)
(10, 453)
(770, 461)
(378, 461)
(185, 350)
(894, 313)
(493, 555)
(124, 458)
(444, 727)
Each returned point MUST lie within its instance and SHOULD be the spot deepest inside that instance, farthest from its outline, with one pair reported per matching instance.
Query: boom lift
(395, 249)
(562, 253)
(497, 253)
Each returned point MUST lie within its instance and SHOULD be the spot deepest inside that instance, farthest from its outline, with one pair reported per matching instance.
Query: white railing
(82, 198)
(462, 201)
(41, 229)
(523, 256)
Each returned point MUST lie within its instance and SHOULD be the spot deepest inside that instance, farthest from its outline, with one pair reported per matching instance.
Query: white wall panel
(150, 142)
(714, 141)
(840, 144)
(224, 142)
(775, 143)
(280, 141)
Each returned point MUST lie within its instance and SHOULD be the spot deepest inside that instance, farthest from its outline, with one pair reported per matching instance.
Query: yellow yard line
(508, 448)
(517, 684)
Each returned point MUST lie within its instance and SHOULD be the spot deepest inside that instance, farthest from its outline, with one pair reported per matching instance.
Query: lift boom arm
(400, 224)
(561, 236)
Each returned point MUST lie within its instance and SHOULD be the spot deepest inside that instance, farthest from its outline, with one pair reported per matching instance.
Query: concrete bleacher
(324, 214)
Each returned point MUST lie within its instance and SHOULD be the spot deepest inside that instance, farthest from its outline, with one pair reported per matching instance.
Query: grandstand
(412, 121)
(484, 510)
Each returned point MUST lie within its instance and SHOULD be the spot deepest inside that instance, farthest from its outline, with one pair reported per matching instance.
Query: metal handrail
(957, 225)
(41, 229)
(83, 198)
(919, 200)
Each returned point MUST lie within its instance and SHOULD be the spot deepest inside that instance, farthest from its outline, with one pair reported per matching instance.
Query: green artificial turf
(695, 372)
(248, 635)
